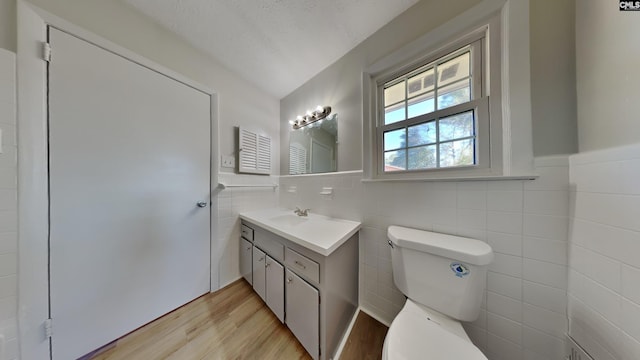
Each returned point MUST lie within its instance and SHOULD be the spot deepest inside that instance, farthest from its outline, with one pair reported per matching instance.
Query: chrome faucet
(300, 212)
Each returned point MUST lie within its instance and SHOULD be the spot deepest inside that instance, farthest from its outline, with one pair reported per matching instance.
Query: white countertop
(318, 233)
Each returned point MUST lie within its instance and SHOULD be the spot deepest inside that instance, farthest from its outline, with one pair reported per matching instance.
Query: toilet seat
(422, 333)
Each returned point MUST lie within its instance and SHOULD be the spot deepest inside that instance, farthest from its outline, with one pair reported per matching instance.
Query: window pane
(394, 114)
(457, 153)
(421, 105)
(423, 157)
(422, 134)
(454, 70)
(394, 94)
(395, 160)
(395, 139)
(456, 126)
(421, 83)
(454, 94)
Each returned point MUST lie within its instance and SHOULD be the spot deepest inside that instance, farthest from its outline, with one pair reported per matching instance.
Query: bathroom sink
(289, 220)
(315, 232)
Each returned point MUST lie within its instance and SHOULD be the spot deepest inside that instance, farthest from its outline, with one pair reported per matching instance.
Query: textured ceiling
(275, 44)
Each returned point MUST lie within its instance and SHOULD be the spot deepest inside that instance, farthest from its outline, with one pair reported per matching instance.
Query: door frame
(33, 192)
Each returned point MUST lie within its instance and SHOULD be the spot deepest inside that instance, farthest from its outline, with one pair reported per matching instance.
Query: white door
(129, 160)
(303, 313)
(275, 287)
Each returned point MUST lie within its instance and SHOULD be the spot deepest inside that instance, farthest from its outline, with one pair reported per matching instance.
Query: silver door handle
(202, 204)
(289, 280)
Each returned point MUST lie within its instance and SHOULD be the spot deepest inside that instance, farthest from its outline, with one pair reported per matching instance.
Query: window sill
(457, 179)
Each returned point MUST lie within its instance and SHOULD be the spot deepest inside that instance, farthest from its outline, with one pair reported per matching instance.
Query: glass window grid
(437, 143)
(431, 66)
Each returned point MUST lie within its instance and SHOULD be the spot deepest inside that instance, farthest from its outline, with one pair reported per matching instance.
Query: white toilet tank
(443, 272)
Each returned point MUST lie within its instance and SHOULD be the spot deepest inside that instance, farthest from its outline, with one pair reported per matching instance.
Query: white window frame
(479, 104)
(495, 146)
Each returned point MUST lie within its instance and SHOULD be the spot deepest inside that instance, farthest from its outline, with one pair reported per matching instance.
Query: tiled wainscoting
(526, 222)
(8, 208)
(250, 195)
(604, 260)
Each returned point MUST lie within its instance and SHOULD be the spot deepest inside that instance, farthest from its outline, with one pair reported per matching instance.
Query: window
(433, 116)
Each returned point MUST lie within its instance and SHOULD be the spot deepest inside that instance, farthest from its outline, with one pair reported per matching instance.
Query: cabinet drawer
(302, 265)
(271, 246)
(246, 232)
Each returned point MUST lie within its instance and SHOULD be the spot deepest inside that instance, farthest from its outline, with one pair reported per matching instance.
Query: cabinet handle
(267, 265)
(249, 248)
(262, 258)
(300, 264)
(289, 280)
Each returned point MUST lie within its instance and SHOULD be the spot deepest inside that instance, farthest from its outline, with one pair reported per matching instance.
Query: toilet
(443, 277)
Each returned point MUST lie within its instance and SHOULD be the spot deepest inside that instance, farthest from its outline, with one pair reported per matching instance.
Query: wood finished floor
(233, 323)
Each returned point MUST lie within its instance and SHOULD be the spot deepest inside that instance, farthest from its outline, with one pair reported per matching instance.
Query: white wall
(8, 24)
(607, 53)
(553, 77)
(526, 223)
(604, 291)
(231, 202)
(339, 85)
(552, 59)
(8, 207)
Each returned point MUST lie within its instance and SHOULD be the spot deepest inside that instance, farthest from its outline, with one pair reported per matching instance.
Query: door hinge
(48, 329)
(46, 51)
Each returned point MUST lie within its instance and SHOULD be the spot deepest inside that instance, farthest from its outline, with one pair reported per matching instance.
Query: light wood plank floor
(233, 323)
(366, 339)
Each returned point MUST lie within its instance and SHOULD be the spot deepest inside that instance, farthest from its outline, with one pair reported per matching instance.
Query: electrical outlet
(228, 161)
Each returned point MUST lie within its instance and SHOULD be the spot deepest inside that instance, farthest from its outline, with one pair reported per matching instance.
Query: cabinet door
(303, 312)
(275, 287)
(246, 259)
(259, 283)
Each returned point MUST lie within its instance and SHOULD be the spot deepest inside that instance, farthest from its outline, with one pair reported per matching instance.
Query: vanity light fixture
(310, 117)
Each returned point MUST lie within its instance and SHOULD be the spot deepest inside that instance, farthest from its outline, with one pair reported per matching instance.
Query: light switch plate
(228, 161)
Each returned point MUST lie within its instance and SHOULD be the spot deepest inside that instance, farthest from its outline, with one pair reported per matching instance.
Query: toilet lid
(413, 335)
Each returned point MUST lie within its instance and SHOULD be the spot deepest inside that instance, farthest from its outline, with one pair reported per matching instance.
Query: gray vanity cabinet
(303, 313)
(315, 295)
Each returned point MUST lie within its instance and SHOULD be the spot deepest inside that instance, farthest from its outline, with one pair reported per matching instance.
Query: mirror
(313, 148)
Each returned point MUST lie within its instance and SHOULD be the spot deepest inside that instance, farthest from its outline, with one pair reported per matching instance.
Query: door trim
(33, 192)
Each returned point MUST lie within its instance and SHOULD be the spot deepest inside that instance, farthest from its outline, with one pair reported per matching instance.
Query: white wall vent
(254, 153)
(576, 352)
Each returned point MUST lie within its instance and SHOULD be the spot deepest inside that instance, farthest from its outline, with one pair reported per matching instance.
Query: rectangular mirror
(313, 148)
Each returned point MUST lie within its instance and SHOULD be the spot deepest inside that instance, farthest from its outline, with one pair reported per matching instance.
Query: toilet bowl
(443, 277)
(418, 332)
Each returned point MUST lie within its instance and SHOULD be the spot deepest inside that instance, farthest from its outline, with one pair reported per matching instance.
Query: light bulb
(319, 109)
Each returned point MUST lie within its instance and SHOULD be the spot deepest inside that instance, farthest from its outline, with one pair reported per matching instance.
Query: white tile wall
(231, 202)
(524, 314)
(604, 252)
(8, 205)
